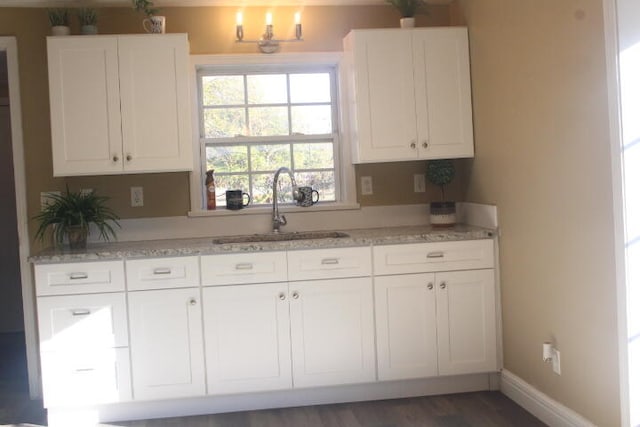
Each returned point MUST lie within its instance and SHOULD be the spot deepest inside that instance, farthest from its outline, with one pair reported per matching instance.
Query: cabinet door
(383, 96)
(248, 347)
(84, 97)
(406, 326)
(332, 332)
(166, 343)
(443, 92)
(154, 87)
(466, 322)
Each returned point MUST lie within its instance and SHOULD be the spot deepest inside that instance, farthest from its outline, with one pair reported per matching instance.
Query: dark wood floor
(482, 409)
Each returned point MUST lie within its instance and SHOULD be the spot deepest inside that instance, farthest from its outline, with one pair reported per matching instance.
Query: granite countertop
(204, 246)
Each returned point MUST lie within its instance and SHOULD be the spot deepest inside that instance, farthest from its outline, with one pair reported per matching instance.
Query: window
(254, 120)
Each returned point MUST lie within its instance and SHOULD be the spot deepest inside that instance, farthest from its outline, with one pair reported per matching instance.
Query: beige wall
(540, 104)
(211, 31)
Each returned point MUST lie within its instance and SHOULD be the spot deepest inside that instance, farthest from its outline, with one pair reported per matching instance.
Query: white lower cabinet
(332, 332)
(248, 347)
(167, 358)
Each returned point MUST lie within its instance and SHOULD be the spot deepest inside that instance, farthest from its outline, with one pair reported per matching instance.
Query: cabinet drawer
(82, 321)
(329, 263)
(233, 269)
(162, 273)
(80, 379)
(427, 257)
(79, 278)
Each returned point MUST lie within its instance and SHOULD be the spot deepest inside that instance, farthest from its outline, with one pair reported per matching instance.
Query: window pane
(313, 156)
(311, 120)
(270, 157)
(324, 182)
(227, 158)
(223, 90)
(268, 121)
(224, 122)
(262, 189)
(230, 182)
(267, 89)
(310, 88)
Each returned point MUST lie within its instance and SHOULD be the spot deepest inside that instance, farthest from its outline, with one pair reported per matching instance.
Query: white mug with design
(154, 24)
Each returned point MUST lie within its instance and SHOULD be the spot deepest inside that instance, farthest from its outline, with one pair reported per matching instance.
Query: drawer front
(433, 257)
(83, 379)
(162, 273)
(79, 278)
(329, 263)
(234, 269)
(82, 321)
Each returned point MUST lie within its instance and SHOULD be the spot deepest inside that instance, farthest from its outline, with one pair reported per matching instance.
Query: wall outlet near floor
(419, 183)
(46, 199)
(137, 197)
(366, 185)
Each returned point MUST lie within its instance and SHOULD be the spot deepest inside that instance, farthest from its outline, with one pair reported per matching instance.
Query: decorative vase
(77, 236)
(60, 30)
(89, 29)
(407, 22)
(442, 214)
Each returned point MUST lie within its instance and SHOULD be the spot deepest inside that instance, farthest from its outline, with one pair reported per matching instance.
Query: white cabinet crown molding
(192, 3)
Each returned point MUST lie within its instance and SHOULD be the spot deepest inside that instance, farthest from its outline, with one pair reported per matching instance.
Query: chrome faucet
(278, 219)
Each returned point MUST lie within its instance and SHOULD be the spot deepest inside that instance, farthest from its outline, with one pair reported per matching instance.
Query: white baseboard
(539, 404)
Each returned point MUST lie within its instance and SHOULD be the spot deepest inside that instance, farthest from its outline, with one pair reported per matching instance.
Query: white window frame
(345, 171)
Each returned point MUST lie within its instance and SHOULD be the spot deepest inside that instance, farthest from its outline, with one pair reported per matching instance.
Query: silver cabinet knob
(443, 285)
(193, 301)
(295, 295)
(413, 144)
(281, 296)
(129, 157)
(430, 286)
(115, 158)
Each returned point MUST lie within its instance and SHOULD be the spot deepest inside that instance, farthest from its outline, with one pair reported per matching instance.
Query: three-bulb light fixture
(267, 44)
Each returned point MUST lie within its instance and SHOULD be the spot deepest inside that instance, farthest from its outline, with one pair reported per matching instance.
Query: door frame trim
(9, 45)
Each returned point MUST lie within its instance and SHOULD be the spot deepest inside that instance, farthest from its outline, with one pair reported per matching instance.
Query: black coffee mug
(307, 198)
(235, 199)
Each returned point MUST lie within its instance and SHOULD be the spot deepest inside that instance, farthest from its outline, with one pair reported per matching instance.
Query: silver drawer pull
(439, 254)
(161, 271)
(244, 266)
(85, 369)
(330, 261)
(80, 312)
(78, 276)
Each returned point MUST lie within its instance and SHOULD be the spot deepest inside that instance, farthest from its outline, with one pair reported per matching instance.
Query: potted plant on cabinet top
(408, 10)
(152, 23)
(88, 18)
(70, 214)
(441, 172)
(59, 20)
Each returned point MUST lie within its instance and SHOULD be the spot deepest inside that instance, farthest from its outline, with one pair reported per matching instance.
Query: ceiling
(187, 3)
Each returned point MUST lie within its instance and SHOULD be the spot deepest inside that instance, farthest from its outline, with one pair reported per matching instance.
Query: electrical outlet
(419, 183)
(86, 191)
(555, 359)
(366, 185)
(45, 198)
(137, 197)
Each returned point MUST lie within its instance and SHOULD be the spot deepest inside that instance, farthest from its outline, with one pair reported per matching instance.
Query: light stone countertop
(204, 246)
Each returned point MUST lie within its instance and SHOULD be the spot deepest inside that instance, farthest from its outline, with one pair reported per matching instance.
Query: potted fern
(71, 213)
(59, 20)
(441, 172)
(88, 18)
(152, 23)
(408, 10)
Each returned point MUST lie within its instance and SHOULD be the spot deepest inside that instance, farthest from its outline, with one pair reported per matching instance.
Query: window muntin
(254, 122)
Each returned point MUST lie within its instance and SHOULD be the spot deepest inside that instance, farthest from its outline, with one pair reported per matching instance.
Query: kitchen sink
(279, 237)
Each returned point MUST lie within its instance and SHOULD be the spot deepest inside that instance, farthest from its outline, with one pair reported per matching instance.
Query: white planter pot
(407, 22)
(60, 30)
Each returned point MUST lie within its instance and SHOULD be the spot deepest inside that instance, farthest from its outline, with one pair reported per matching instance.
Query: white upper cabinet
(119, 104)
(409, 94)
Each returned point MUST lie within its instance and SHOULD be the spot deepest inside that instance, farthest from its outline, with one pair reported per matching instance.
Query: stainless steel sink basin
(279, 237)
